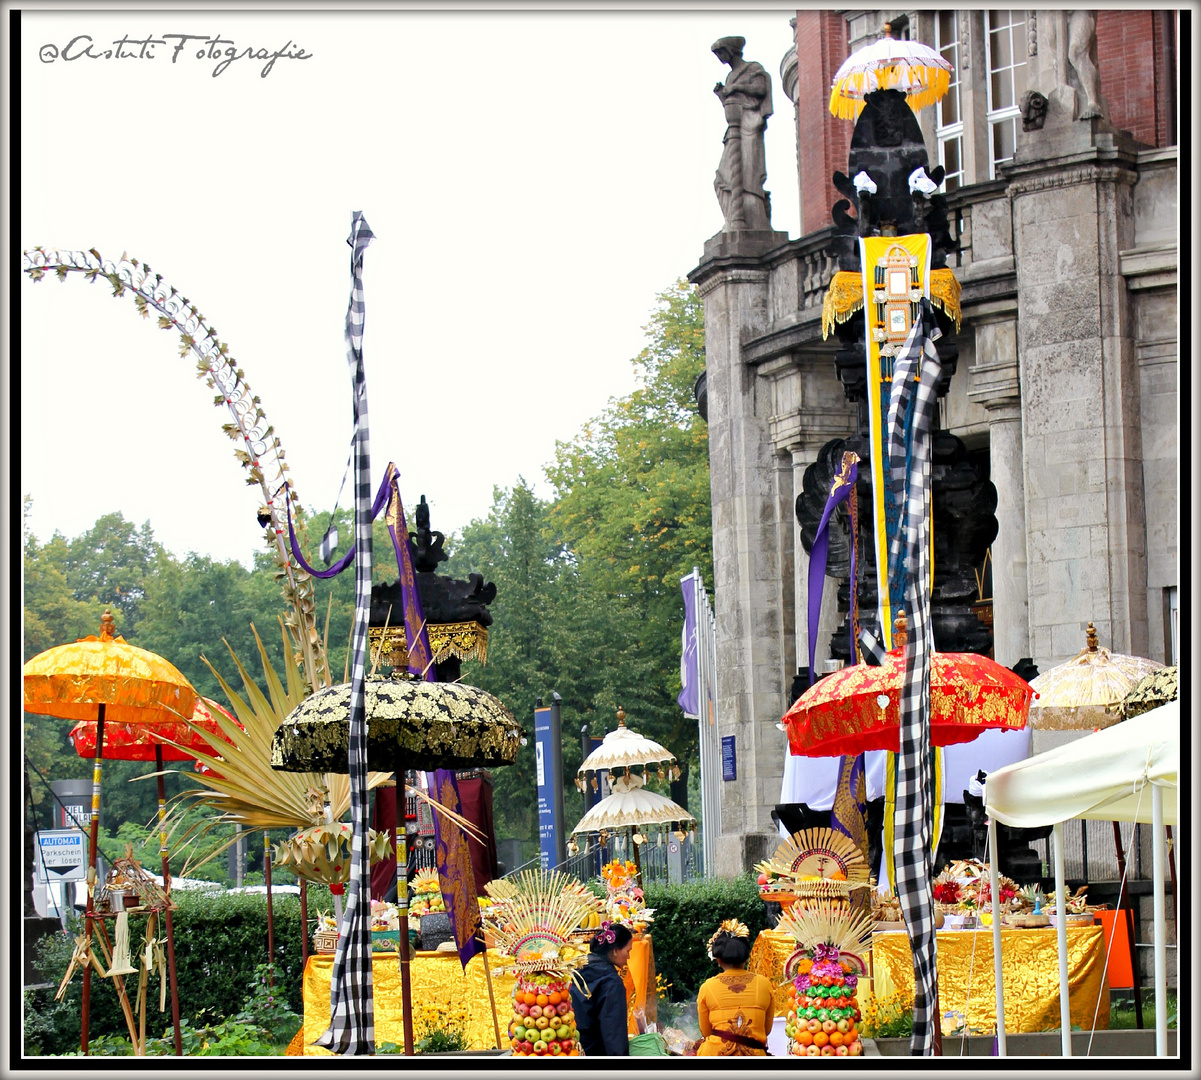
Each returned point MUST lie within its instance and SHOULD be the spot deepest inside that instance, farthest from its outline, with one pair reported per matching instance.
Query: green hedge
(687, 915)
(219, 940)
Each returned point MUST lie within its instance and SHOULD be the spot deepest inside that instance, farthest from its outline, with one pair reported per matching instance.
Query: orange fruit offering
(820, 1038)
(836, 1038)
(530, 999)
(541, 999)
(804, 1037)
(555, 998)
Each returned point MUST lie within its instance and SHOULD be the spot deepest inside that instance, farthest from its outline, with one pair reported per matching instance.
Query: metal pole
(304, 923)
(93, 841)
(1061, 934)
(994, 886)
(162, 847)
(1126, 911)
(1160, 922)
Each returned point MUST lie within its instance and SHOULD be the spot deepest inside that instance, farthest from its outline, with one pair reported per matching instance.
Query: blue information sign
(729, 769)
(548, 841)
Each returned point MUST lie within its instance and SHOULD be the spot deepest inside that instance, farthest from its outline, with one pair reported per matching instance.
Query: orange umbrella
(859, 708)
(137, 742)
(103, 678)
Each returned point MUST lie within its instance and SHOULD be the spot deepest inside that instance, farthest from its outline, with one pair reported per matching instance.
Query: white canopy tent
(1127, 772)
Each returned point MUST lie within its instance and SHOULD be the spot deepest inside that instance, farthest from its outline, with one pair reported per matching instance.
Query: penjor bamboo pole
(402, 902)
(93, 840)
(270, 910)
(162, 850)
(491, 995)
(304, 923)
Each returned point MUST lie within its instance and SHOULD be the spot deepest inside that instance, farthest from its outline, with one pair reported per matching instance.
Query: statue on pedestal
(742, 172)
(1074, 42)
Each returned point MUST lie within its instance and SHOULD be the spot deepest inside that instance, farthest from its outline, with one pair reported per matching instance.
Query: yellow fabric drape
(737, 1001)
(771, 949)
(843, 298)
(944, 293)
(890, 810)
(438, 981)
(639, 979)
(1030, 973)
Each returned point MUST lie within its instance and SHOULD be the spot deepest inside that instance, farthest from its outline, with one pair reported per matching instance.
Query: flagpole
(491, 996)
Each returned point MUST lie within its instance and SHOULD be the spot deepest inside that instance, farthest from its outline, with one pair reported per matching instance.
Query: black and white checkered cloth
(910, 414)
(352, 1019)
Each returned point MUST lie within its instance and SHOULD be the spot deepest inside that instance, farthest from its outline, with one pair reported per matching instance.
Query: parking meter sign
(63, 855)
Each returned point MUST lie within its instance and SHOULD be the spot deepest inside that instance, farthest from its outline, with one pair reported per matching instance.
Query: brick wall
(823, 141)
(1130, 57)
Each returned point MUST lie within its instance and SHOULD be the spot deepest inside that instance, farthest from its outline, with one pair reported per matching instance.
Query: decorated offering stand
(537, 920)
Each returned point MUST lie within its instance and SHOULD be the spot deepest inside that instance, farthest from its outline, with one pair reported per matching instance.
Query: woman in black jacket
(602, 1016)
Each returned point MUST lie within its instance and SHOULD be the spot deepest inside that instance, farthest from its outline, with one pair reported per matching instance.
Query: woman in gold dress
(734, 1008)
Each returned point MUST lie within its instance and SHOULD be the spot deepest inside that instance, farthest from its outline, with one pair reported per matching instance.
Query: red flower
(947, 892)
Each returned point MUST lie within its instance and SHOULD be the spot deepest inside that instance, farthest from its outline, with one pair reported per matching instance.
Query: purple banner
(689, 699)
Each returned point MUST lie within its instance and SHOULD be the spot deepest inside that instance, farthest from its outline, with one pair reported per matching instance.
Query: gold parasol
(1086, 692)
(889, 64)
(623, 749)
(104, 678)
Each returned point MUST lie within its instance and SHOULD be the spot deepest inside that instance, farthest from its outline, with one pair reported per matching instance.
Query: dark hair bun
(731, 949)
(600, 942)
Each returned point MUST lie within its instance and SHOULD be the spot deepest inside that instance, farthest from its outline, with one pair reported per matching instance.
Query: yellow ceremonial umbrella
(103, 678)
(1086, 692)
(889, 64)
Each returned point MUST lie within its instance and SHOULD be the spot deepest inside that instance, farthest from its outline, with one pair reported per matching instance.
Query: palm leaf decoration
(240, 784)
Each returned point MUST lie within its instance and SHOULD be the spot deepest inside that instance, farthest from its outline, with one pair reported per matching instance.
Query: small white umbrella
(623, 749)
(631, 805)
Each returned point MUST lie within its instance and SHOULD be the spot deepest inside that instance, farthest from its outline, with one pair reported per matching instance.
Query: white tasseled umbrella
(631, 805)
(624, 749)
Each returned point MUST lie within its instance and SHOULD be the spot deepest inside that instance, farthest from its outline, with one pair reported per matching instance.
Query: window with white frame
(1005, 48)
(949, 116)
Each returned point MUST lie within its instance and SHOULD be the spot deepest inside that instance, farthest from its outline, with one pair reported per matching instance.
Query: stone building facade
(1066, 390)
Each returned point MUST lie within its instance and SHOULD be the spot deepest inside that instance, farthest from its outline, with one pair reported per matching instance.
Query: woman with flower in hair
(734, 1008)
(601, 1014)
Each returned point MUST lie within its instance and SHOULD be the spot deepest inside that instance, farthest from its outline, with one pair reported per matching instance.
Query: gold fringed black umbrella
(1150, 692)
(435, 726)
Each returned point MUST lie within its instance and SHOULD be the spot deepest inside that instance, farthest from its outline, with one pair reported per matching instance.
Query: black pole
(585, 750)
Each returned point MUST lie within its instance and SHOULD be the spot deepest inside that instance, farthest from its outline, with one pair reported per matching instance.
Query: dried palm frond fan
(816, 865)
(536, 921)
(839, 935)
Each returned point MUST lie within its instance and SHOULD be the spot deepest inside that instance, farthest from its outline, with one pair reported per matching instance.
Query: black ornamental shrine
(887, 145)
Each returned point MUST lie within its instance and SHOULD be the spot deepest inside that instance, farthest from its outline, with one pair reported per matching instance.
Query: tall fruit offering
(536, 920)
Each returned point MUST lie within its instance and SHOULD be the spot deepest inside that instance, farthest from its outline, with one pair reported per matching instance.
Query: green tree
(109, 565)
(632, 504)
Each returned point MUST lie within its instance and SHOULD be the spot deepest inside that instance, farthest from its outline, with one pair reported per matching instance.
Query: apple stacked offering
(823, 1013)
(536, 919)
(543, 1023)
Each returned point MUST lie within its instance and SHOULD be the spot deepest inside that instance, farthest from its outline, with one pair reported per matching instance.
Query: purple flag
(689, 699)
(455, 874)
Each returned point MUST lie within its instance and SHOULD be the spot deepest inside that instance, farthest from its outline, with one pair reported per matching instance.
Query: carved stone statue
(742, 172)
(1075, 42)
(1034, 110)
(427, 545)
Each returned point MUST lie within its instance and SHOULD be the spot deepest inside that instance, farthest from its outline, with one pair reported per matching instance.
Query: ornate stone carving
(1034, 110)
(1074, 38)
(742, 172)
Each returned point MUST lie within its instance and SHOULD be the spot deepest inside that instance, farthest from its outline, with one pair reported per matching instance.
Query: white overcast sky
(533, 179)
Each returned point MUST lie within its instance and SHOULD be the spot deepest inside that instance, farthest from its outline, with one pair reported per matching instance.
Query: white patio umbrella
(1128, 772)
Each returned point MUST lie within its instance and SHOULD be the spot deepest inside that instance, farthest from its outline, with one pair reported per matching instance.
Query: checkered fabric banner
(910, 413)
(352, 1020)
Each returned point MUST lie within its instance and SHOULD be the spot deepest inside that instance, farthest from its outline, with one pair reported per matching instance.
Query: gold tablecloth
(436, 978)
(1030, 974)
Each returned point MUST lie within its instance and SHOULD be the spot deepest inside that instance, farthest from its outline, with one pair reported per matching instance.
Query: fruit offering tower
(536, 920)
(823, 1013)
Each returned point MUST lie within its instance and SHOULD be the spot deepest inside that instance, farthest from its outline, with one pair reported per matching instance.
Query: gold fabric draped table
(966, 985)
(438, 980)
(441, 983)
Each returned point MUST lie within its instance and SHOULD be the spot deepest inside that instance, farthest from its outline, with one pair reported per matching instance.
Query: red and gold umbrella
(98, 679)
(137, 742)
(859, 708)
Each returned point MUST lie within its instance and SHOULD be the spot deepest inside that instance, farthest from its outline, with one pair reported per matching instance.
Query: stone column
(1081, 441)
(751, 674)
(995, 385)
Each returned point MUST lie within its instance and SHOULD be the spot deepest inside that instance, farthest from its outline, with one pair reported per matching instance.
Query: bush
(220, 940)
(685, 918)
